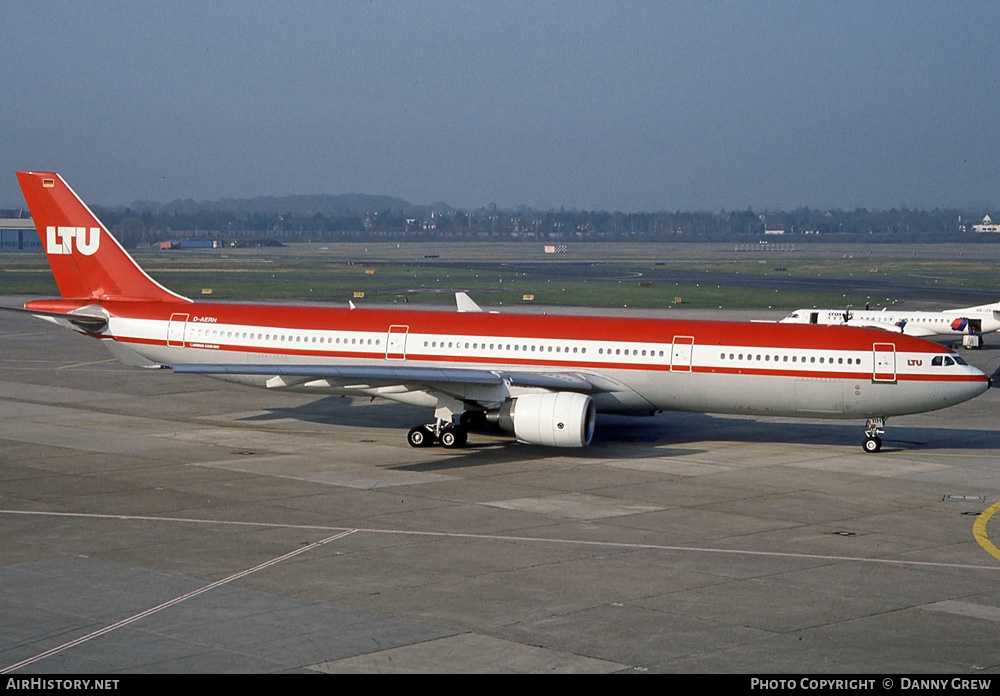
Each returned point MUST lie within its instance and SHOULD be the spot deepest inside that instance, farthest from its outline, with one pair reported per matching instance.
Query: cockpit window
(947, 360)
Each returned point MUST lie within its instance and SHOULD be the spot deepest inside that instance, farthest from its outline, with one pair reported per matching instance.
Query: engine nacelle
(559, 419)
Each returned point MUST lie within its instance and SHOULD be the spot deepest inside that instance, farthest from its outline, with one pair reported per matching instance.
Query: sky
(621, 106)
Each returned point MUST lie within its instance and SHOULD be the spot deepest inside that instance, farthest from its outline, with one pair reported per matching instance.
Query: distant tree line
(142, 228)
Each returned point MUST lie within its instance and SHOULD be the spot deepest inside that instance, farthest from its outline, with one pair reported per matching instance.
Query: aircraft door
(395, 342)
(680, 355)
(885, 362)
(175, 330)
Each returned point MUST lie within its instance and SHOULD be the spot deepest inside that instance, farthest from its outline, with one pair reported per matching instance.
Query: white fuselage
(715, 367)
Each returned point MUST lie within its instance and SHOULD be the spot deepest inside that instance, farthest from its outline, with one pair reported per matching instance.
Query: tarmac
(152, 522)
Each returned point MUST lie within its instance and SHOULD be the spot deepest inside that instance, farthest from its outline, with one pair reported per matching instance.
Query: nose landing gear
(874, 428)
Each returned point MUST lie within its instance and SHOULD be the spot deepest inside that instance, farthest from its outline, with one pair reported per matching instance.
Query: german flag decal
(48, 183)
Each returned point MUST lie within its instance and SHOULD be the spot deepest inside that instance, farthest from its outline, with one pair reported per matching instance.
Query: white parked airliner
(948, 322)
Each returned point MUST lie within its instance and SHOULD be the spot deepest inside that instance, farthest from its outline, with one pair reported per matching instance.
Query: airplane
(949, 322)
(543, 378)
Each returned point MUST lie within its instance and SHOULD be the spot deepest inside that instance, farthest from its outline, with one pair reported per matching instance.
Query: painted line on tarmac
(979, 530)
(524, 539)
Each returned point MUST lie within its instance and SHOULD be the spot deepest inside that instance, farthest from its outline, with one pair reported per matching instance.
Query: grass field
(597, 275)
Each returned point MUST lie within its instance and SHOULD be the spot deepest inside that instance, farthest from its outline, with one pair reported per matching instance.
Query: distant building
(18, 234)
(774, 228)
(987, 225)
(192, 244)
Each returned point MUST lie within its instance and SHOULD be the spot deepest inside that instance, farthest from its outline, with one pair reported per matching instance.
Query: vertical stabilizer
(87, 262)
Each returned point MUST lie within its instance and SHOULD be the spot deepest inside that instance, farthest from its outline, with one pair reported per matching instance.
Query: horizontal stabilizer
(92, 322)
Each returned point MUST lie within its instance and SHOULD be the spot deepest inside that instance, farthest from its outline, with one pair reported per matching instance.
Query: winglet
(466, 303)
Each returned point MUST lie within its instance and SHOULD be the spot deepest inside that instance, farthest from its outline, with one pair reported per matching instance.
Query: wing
(353, 374)
(470, 386)
(885, 326)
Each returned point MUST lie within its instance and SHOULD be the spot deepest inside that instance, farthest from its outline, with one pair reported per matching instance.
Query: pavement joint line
(85, 364)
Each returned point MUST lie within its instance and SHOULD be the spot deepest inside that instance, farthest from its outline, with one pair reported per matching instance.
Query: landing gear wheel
(872, 444)
(420, 437)
(452, 437)
(874, 428)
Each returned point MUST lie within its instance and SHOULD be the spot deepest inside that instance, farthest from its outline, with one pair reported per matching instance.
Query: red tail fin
(87, 262)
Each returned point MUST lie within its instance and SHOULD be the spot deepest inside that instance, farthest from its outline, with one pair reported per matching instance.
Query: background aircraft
(543, 378)
(948, 322)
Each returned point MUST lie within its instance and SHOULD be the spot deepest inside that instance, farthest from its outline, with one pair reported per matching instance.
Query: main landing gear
(448, 435)
(874, 428)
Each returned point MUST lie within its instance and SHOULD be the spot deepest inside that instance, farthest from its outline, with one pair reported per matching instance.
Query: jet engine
(558, 419)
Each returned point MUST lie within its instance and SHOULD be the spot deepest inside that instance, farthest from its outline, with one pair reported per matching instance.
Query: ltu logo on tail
(59, 240)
